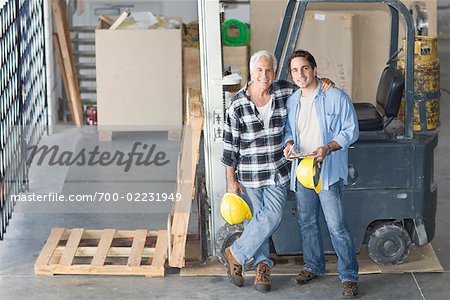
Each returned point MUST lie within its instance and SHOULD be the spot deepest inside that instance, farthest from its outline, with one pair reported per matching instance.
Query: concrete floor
(27, 232)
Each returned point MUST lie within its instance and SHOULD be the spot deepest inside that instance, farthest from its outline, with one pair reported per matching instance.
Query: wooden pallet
(103, 252)
(178, 220)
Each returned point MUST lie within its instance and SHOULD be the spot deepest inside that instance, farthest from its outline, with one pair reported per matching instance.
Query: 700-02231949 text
(98, 197)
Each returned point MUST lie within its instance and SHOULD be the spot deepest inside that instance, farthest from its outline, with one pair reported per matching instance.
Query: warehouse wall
(444, 18)
(239, 11)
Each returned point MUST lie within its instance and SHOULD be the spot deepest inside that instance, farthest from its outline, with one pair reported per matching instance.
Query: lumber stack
(66, 61)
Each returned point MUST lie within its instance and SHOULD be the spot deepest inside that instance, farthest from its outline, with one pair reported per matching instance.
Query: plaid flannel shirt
(257, 153)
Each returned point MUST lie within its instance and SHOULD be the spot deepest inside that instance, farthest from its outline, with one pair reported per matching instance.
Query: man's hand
(327, 84)
(234, 187)
(287, 149)
(324, 150)
(320, 153)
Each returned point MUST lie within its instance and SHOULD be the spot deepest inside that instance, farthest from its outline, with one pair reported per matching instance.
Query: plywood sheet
(422, 259)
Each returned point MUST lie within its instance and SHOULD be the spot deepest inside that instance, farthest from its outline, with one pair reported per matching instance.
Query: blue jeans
(267, 205)
(308, 203)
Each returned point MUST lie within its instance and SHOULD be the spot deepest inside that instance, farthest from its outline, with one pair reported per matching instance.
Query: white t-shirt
(308, 124)
(265, 113)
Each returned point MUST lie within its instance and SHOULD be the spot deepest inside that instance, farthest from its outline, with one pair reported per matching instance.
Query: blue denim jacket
(338, 122)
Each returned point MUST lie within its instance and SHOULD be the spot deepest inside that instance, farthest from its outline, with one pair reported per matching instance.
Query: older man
(255, 168)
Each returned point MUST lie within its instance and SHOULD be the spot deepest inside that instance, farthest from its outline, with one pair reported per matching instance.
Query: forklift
(391, 196)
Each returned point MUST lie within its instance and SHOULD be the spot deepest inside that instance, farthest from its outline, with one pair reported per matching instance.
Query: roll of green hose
(240, 40)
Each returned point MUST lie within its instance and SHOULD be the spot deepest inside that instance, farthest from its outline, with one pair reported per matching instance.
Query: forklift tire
(225, 237)
(389, 244)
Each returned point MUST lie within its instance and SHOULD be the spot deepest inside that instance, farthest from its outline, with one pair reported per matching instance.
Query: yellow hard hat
(308, 174)
(234, 209)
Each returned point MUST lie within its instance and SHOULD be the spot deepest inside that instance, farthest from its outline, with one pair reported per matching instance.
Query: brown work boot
(305, 276)
(262, 279)
(350, 289)
(234, 269)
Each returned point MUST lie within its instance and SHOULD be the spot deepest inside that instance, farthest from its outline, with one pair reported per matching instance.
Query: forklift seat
(389, 95)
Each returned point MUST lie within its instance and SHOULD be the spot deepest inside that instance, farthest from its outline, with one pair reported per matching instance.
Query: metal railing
(23, 101)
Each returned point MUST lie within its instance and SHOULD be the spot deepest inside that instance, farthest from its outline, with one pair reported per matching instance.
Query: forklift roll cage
(290, 31)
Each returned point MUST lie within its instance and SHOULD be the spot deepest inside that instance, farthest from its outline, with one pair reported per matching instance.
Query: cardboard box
(370, 30)
(237, 57)
(139, 79)
(336, 62)
(328, 35)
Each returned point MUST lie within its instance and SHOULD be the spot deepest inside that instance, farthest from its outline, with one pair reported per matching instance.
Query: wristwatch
(329, 149)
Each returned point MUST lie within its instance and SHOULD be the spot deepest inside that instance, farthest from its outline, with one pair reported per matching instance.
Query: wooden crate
(103, 252)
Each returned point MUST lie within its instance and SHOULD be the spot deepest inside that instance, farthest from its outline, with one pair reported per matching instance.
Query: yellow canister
(426, 82)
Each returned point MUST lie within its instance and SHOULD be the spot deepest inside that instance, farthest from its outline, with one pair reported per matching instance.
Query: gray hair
(263, 54)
